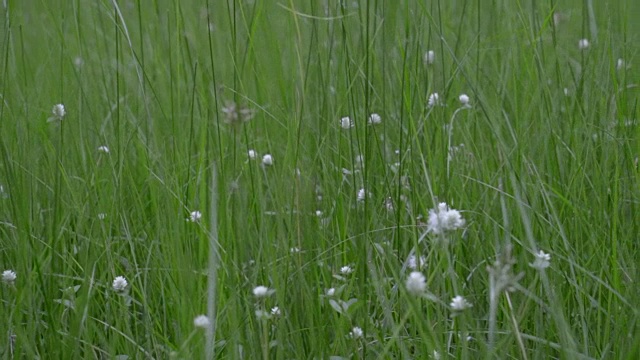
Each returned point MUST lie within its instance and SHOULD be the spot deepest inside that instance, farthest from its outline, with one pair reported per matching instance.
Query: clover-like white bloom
(262, 291)
(201, 321)
(583, 44)
(103, 149)
(356, 332)
(119, 283)
(330, 292)
(267, 160)
(195, 216)
(362, 194)
(433, 100)
(459, 303)
(429, 57)
(416, 263)
(542, 261)
(9, 276)
(443, 219)
(275, 311)
(252, 154)
(346, 123)
(375, 119)
(416, 283)
(464, 100)
(58, 113)
(346, 270)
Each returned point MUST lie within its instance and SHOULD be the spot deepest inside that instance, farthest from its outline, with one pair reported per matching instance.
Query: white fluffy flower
(356, 332)
(464, 100)
(443, 219)
(330, 292)
(542, 261)
(275, 311)
(267, 160)
(346, 123)
(362, 194)
(252, 154)
(459, 303)
(620, 65)
(346, 270)
(103, 149)
(195, 216)
(433, 100)
(416, 283)
(120, 283)
(262, 291)
(429, 57)
(416, 263)
(9, 276)
(375, 119)
(58, 112)
(201, 321)
(583, 44)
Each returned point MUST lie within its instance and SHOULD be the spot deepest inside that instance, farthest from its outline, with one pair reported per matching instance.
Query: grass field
(261, 179)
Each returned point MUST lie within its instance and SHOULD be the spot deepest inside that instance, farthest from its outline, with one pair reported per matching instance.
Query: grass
(545, 158)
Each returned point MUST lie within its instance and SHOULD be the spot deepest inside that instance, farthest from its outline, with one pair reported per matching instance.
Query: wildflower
(330, 292)
(346, 123)
(267, 160)
(102, 216)
(443, 219)
(429, 57)
(542, 261)
(356, 332)
(275, 311)
(620, 64)
(416, 283)
(374, 119)
(201, 321)
(414, 262)
(103, 149)
(119, 283)
(583, 44)
(464, 100)
(195, 216)
(346, 270)
(319, 213)
(459, 303)
(262, 291)
(434, 99)
(252, 154)
(362, 194)
(58, 112)
(9, 276)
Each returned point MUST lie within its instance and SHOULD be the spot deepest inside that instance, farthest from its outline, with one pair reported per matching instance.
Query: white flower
(262, 291)
(120, 283)
(9, 276)
(103, 149)
(294, 250)
(442, 219)
(416, 283)
(375, 119)
(542, 261)
(459, 303)
(58, 112)
(102, 216)
(346, 123)
(362, 194)
(331, 292)
(319, 213)
(620, 64)
(267, 160)
(434, 99)
(583, 44)
(356, 332)
(195, 216)
(429, 57)
(346, 270)
(253, 154)
(201, 321)
(275, 311)
(464, 100)
(415, 263)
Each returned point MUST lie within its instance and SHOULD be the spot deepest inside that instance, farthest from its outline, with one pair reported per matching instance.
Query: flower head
(429, 57)
(583, 44)
(416, 283)
(356, 332)
(542, 261)
(374, 119)
(346, 270)
(346, 123)
(262, 291)
(464, 100)
(103, 149)
(120, 283)
(9, 276)
(195, 216)
(58, 113)
(201, 321)
(415, 263)
(362, 194)
(275, 311)
(267, 160)
(330, 292)
(433, 100)
(252, 154)
(459, 303)
(443, 219)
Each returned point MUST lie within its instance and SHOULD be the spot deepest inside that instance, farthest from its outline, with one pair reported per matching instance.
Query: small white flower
(262, 291)
(195, 216)
(319, 213)
(416, 283)
(542, 261)
(583, 44)
(565, 91)
(620, 64)
(362, 194)
(356, 333)
(459, 303)
(464, 100)
(346, 270)
(275, 311)
(201, 321)
(429, 57)
(416, 263)
(346, 123)
(294, 250)
(443, 219)
(433, 100)
(330, 292)
(374, 119)
(267, 160)
(9, 276)
(103, 149)
(119, 283)
(58, 112)
(102, 216)
(253, 154)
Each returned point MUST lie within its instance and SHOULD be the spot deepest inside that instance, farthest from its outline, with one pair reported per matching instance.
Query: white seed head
(267, 160)
(542, 261)
(252, 154)
(433, 100)
(201, 321)
(356, 332)
(9, 276)
(58, 112)
(120, 283)
(262, 291)
(362, 194)
(464, 99)
(374, 119)
(583, 44)
(275, 311)
(346, 270)
(620, 65)
(443, 219)
(346, 123)
(103, 149)
(195, 216)
(429, 57)
(330, 292)
(416, 283)
(459, 303)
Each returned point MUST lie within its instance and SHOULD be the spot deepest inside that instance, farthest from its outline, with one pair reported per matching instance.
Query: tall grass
(545, 157)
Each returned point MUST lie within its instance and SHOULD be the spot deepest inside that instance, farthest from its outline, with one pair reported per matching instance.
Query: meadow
(261, 179)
